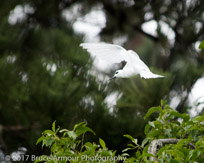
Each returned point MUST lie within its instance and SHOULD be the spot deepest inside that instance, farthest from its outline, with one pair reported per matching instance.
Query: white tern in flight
(128, 61)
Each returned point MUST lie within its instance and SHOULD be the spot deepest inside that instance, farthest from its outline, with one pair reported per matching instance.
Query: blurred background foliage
(45, 75)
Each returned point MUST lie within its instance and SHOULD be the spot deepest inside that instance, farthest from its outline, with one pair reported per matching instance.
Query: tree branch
(155, 145)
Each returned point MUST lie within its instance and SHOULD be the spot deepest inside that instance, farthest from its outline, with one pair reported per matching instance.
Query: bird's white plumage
(108, 52)
(112, 54)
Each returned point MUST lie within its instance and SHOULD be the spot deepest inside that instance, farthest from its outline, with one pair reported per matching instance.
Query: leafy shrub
(70, 147)
(186, 134)
(180, 127)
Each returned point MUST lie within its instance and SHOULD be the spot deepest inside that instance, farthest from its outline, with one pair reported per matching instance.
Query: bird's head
(116, 75)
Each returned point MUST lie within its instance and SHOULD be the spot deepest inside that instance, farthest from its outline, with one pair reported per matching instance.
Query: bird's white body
(112, 54)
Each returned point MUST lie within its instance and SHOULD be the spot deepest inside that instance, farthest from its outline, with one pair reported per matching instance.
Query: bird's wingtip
(150, 75)
(161, 76)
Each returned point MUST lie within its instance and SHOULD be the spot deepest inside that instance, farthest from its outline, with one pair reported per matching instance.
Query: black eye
(116, 72)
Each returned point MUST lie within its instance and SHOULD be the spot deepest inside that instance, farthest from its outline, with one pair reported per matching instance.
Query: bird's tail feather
(149, 74)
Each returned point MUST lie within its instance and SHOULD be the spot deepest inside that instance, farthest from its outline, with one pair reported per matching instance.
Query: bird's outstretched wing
(108, 52)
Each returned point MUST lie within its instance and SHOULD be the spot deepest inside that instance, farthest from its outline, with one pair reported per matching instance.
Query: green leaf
(48, 132)
(187, 127)
(201, 46)
(72, 134)
(90, 148)
(58, 128)
(53, 126)
(138, 154)
(114, 152)
(106, 153)
(151, 124)
(102, 143)
(161, 150)
(48, 141)
(146, 148)
(83, 129)
(180, 153)
(147, 154)
(154, 133)
(135, 141)
(125, 155)
(163, 102)
(200, 144)
(40, 139)
(129, 137)
(198, 119)
(131, 145)
(196, 154)
(126, 149)
(185, 117)
(63, 130)
(147, 129)
(79, 124)
(152, 110)
(145, 141)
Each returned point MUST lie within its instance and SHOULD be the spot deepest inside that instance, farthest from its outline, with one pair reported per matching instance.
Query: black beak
(112, 78)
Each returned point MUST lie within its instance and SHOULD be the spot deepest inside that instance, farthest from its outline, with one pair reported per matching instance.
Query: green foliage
(171, 124)
(168, 124)
(65, 144)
